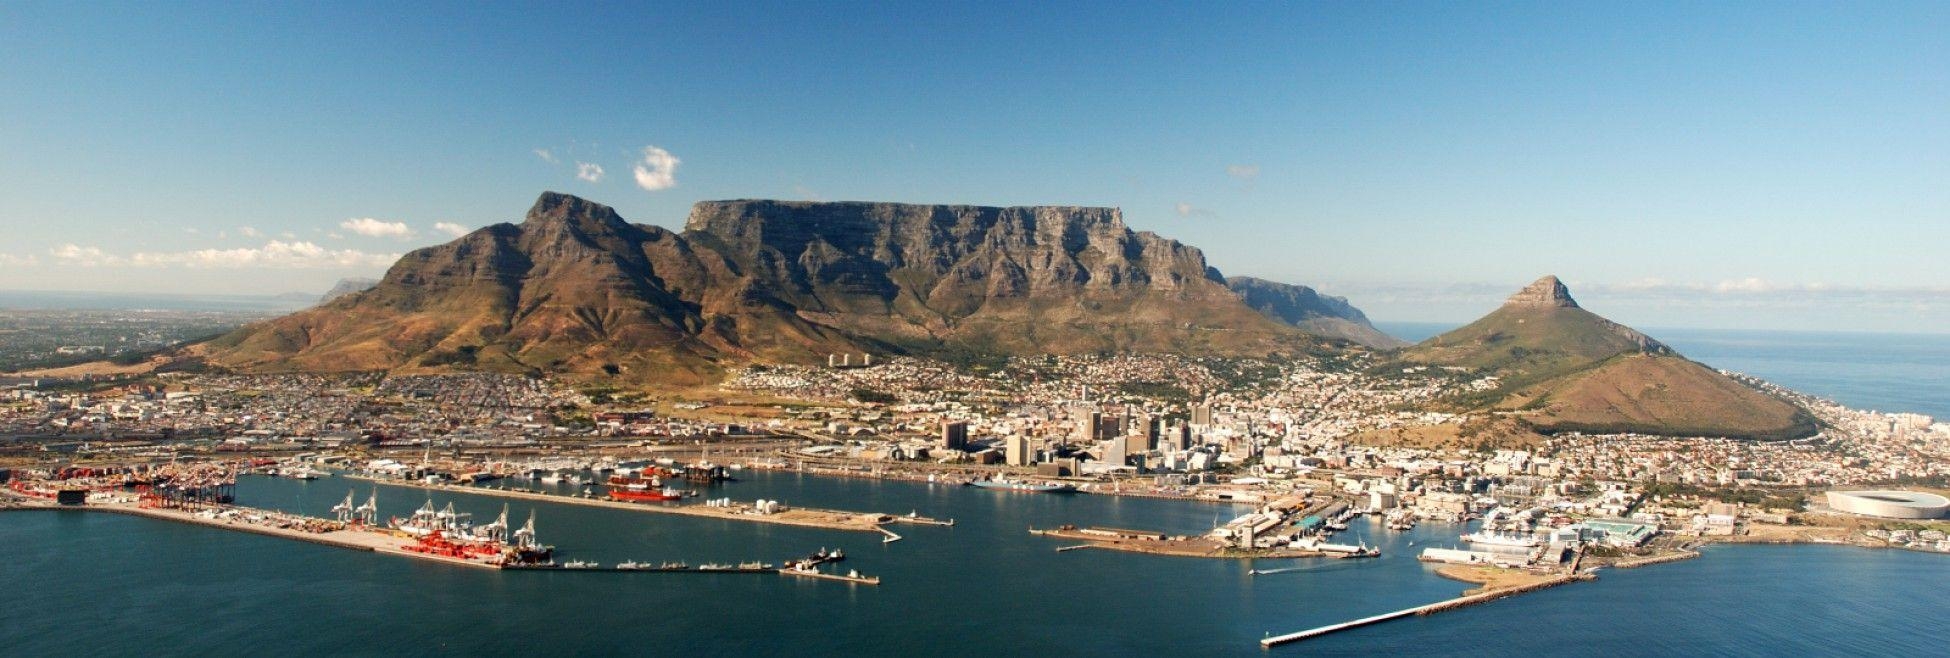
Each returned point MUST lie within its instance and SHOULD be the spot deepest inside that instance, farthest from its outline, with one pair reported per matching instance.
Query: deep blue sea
(81, 583)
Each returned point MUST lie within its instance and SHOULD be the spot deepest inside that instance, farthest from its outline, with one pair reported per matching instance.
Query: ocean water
(1883, 372)
(98, 584)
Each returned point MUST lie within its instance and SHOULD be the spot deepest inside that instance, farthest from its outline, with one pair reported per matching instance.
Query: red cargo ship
(643, 487)
(648, 495)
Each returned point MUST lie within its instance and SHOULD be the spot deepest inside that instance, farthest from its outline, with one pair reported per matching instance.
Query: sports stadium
(1890, 504)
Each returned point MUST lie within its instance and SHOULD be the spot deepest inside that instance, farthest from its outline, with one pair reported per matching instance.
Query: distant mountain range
(347, 287)
(1567, 369)
(576, 289)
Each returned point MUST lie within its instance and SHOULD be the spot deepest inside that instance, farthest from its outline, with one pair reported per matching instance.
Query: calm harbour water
(113, 585)
(102, 584)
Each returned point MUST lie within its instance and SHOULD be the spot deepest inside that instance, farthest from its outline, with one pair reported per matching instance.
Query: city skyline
(1723, 167)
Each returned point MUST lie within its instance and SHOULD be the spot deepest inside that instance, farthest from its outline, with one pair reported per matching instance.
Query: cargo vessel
(649, 495)
(1004, 484)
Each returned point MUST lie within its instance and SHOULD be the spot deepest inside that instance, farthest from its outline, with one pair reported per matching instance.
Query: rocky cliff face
(1033, 279)
(576, 288)
(1547, 292)
(1306, 308)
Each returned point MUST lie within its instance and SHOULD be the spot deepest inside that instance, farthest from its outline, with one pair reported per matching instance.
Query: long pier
(1657, 559)
(1439, 606)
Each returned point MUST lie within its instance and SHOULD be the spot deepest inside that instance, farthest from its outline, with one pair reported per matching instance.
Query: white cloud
(1752, 284)
(274, 254)
(450, 228)
(545, 155)
(592, 172)
(657, 170)
(10, 260)
(84, 256)
(1245, 172)
(374, 228)
(248, 232)
(1188, 210)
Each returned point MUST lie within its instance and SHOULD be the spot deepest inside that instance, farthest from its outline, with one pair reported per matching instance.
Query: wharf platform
(385, 542)
(797, 516)
(1155, 544)
(558, 568)
(821, 575)
(354, 538)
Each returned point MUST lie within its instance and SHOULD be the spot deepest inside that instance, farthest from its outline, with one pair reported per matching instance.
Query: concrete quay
(797, 516)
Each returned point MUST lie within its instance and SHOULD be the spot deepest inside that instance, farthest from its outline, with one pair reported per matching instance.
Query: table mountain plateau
(576, 289)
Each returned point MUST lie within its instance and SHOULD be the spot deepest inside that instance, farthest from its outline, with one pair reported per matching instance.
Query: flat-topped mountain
(575, 288)
(1567, 369)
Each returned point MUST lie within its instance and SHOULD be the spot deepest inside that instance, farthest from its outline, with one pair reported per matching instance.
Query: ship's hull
(1025, 487)
(633, 496)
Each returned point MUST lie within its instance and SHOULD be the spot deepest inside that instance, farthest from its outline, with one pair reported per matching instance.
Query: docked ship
(1349, 550)
(491, 543)
(649, 495)
(643, 488)
(1005, 484)
(1509, 539)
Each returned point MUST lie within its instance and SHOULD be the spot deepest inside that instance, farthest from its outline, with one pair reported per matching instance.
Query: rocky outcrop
(346, 287)
(1547, 292)
(1306, 308)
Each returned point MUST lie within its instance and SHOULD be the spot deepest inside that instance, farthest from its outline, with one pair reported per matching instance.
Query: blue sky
(1688, 164)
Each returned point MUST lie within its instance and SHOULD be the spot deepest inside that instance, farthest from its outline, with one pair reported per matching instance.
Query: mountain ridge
(576, 288)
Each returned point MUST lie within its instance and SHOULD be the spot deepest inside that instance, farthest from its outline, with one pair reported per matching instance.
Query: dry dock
(797, 516)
